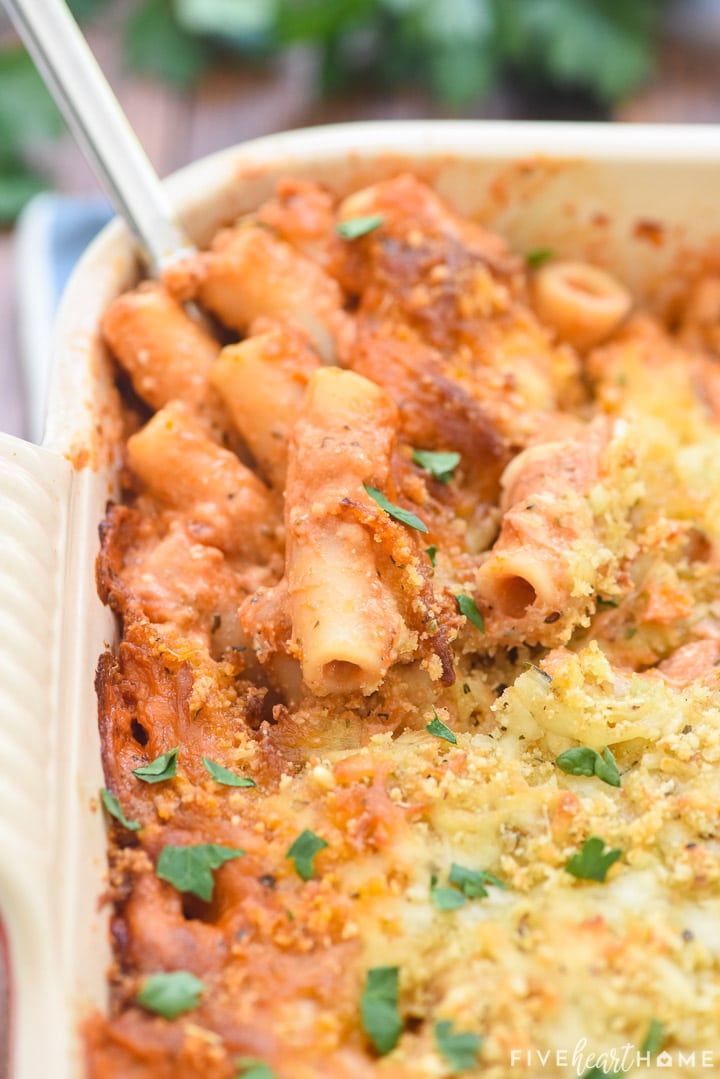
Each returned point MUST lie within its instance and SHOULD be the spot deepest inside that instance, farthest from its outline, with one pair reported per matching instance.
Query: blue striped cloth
(52, 233)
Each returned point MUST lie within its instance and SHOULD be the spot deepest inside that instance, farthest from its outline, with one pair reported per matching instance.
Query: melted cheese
(550, 962)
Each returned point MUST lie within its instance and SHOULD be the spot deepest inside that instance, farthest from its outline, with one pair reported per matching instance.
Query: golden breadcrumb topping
(412, 736)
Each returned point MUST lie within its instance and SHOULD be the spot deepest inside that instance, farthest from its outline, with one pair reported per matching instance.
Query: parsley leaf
(607, 770)
(593, 861)
(538, 670)
(114, 809)
(468, 607)
(27, 111)
(472, 882)
(459, 1050)
(438, 728)
(444, 898)
(246, 20)
(379, 1008)
(303, 852)
(653, 1041)
(18, 184)
(355, 227)
(584, 761)
(225, 776)
(157, 45)
(431, 552)
(539, 257)
(250, 1068)
(404, 516)
(603, 47)
(605, 604)
(439, 465)
(162, 768)
(85, 9)
(171, 994)
(190, 869)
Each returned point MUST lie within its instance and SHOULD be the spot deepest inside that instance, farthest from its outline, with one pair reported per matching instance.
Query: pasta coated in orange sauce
(412, 735)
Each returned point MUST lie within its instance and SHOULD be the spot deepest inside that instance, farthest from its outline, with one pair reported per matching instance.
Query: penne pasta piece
(692, 661)
(345, 622)
(583, 303)
(424, 267)
(179, 464)
(250, 273)
(170, 579)
(406, 203)
(166, 353)
(262, 381)
(303, 213)
(156, 924)
(435, 411)
(483, 672)
(442, 291)
(538, 582)
(265, 620)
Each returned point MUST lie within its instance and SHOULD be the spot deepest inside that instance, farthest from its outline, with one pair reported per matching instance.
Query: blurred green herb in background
(26, 115)
(456, 49)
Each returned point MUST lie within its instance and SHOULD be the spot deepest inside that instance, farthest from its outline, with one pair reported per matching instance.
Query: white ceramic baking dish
(580, 189)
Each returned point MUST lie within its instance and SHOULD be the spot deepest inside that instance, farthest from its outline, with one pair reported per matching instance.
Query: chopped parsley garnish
(303, 852)
(539, 256)
(171, 994)
(225, 776)
(593, 861)
(440, 465)
(250, 1068)
(379, 1008)
(468, 607)
(459, 1050)
(472, 882)
(438, 728)
(162, 768)
(653, 1041)
(444, 898)
(355, 227)
(538, 670)
(431, 552)
(583, 761)
(190, 869)
(114, 809)
(404, 516)
(469, 884)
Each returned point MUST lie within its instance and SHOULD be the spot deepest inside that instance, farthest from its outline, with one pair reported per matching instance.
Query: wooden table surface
(232, 106)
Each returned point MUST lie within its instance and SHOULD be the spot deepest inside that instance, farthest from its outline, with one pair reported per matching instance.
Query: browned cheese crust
(396, 649)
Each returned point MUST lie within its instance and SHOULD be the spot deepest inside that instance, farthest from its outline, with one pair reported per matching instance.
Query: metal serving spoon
(71, 72)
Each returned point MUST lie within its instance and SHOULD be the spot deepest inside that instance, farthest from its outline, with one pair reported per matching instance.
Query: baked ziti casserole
(412, 736)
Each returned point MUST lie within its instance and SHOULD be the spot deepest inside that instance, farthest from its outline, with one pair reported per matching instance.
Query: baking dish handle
(35, 489)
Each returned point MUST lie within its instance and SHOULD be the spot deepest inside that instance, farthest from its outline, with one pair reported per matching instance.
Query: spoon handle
(71, 73)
